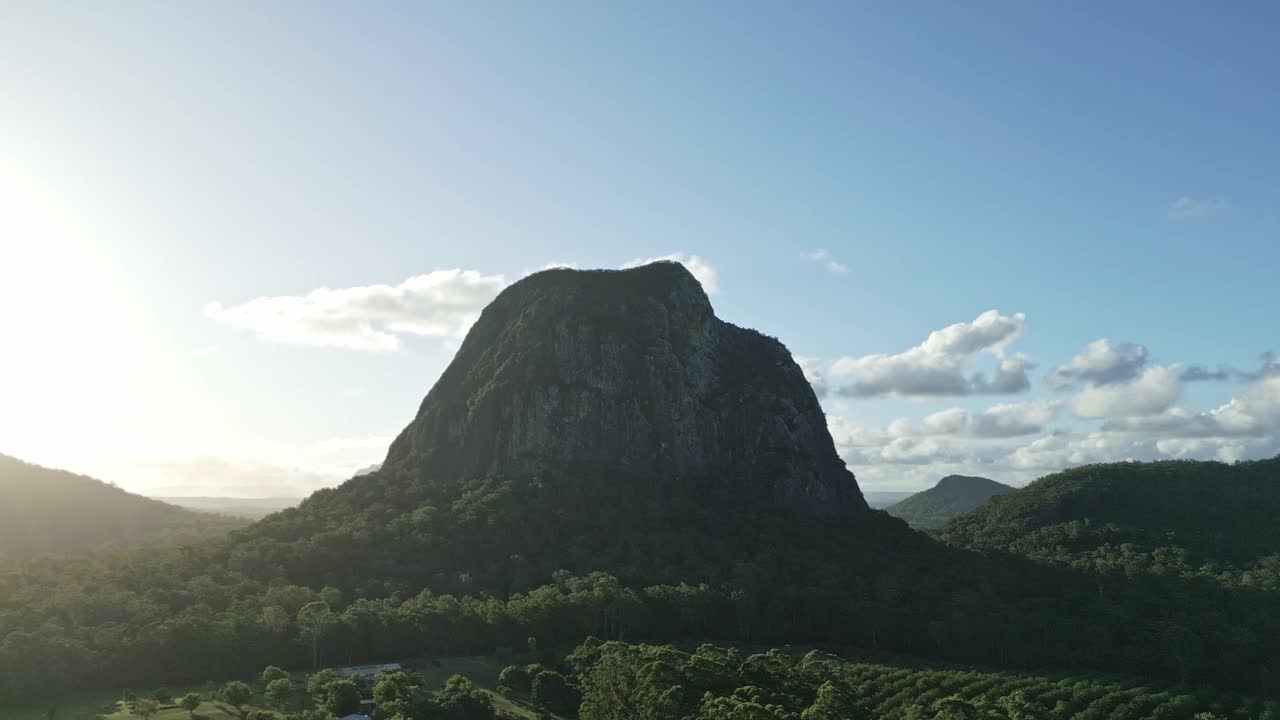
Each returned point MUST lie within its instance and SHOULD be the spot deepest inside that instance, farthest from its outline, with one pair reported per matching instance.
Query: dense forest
(953, 495)
(386, 568)
(48, 511)
(1174, 518)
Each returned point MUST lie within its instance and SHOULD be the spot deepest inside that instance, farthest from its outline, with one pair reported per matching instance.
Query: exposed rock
(627, 374)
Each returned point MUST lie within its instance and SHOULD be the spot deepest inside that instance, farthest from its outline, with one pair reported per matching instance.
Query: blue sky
(1109, 171)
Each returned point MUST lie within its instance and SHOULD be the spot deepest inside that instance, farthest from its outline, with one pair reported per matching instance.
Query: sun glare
(56, 311)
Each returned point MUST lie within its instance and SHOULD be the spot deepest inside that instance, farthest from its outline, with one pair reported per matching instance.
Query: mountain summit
(627, 374)
(591, 420)
(953, 495)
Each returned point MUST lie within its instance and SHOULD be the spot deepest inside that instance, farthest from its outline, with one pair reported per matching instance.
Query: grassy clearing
(481, 670)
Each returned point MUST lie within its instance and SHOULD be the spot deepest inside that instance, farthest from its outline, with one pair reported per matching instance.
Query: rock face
(627, 375)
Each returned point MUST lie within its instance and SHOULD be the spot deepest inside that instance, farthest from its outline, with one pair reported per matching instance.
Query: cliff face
(627, 375)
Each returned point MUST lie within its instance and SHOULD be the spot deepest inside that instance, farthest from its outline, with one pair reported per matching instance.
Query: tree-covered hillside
(1179, 516)
(44, 511)
(953, 495)
(384, 568)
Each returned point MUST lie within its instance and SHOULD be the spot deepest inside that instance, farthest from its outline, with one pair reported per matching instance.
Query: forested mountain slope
(1170, 516)
(953, 495)
(45, 511)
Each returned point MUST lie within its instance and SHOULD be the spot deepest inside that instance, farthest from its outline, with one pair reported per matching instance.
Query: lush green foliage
(1209, 512)
(953, 495)
(341, 577)
(648, 682)
(44, 511)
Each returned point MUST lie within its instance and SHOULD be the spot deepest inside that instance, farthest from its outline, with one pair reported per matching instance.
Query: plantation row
(714, 683)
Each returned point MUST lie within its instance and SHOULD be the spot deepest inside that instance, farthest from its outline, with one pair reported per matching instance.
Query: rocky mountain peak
(627, 376)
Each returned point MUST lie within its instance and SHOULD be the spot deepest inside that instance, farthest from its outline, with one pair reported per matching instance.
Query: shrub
(550, 690)
(514, 677)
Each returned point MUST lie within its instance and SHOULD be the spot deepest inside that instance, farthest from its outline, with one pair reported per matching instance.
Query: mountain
(629, 375)
(954, 494)
(1177, 514)
(46, 511)
(589, 420)
(251, 508)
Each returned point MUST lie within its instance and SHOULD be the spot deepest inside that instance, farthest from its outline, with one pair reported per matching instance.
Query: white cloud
(1216, 448)
(1052, 453)
(1101, 363)
(442, 303)
(937, 366)
(897, 445)
(702, 270)
(912, 451)
(1188, 208)
(827, 261)
(1254, 411)
(998, 421)
(1155, 391)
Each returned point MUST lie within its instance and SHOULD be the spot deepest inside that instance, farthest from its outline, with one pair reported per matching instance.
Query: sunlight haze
(241, 242)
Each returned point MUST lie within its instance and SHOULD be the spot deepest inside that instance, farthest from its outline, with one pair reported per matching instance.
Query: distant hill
(251, 508)
(1165, 516)
(45, 511)
(954, 494)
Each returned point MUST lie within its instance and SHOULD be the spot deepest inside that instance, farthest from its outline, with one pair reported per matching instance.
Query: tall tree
(313, 618)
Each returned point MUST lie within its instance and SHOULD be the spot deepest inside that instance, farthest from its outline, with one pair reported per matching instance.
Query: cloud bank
(939, 365)
(439, 304)
(442, 303)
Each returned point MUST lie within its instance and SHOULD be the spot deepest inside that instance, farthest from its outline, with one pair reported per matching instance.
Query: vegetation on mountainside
(953, 495)
(46, 511)
(343, 576)
(1171, 518)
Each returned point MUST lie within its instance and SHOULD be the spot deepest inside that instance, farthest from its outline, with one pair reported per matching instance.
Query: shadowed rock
(627, 374)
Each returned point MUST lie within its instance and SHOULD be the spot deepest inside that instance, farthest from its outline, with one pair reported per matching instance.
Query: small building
(356, 717)
(366, 671)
